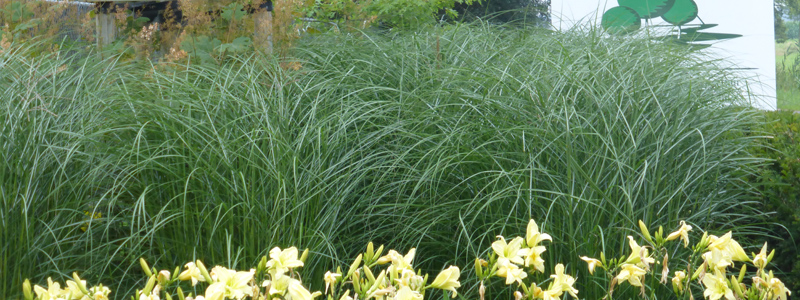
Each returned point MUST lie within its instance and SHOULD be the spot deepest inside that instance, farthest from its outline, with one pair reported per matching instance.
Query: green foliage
(779, 183)
(438, 140)
(406, 14)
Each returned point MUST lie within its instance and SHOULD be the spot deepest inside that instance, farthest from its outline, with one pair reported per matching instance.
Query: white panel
(751, 18)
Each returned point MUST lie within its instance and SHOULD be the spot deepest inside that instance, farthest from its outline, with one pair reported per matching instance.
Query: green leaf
(707, 36)
(232, 12)
(621, 19)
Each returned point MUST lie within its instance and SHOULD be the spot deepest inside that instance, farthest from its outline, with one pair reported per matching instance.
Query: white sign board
(752, 19)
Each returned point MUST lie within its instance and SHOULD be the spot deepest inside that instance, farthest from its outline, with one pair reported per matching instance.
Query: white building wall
(751, 18)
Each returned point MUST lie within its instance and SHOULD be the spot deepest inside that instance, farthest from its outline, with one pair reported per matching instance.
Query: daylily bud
(355, 265)
(478, 268)
(645, 232)
(378, 252)
(145, 267)
(517, 295)
(203, 271)
(176, 273)
(149, 286)
(742, 272)
(665, 269)
(26, 290)
(80, 283)
(771, 254)
(737, 288)
(163, 277)
(262, 264)
(369, 254)
(368, 274)
(168, 296)
(180, 293)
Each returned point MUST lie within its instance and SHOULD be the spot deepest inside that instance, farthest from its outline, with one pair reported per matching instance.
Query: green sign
(628, 16)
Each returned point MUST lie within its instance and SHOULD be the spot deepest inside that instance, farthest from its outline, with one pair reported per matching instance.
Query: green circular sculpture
(648, 9)
(682, 12)
(621, 19)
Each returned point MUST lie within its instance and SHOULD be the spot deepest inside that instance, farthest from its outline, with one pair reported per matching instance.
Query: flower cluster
(75, 289)
(397, 281)
(714, 254)
(514, 260)
(274, 278)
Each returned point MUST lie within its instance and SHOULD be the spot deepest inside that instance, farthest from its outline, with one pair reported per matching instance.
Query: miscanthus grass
(438, 140)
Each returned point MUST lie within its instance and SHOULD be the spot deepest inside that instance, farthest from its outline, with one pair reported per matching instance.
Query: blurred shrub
(779, 183)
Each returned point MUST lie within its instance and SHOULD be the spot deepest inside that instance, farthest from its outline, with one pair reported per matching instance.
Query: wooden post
(106, 25)
(263, 30)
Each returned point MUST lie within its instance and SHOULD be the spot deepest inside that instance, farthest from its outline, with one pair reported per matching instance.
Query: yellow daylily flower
(718, 259)
(448, 280)
(191, 273)
(760, 259)
(773, 286)
(639, 255)
(592, 263)
(682, 232)
(631, 273)
(564, 282)
(532, 235)
(405, 293)
(231, 283)
(281, 261)
(99, 292)
(331, 278)
(154, 294)
(399, 262)
(717, 287)
(510, 271)
(510, 250)
(533, 257)
(677, 281)
(410, 279)
(53, 291)
(727, 244)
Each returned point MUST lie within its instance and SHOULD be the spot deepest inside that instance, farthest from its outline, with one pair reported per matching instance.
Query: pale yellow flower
(717, 287)
(233, 284)
(154, 294)
(773, 286)
(639, 255)
(410, 279)
(191, 273)
(718, 259)
(53, 291)
(99, 292)
(75, 291)
(399, 262)
(677, 281)
(631, 273)
(331, 278)
(510, 250)
(297, 291)
(726, 244)
(533, 237)
(281, 261)
(760, 259)
(405, 293)
(564, 282)
(448, 280)
(592, 263)
(510, 271)
(682, 232)
(533, 257)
